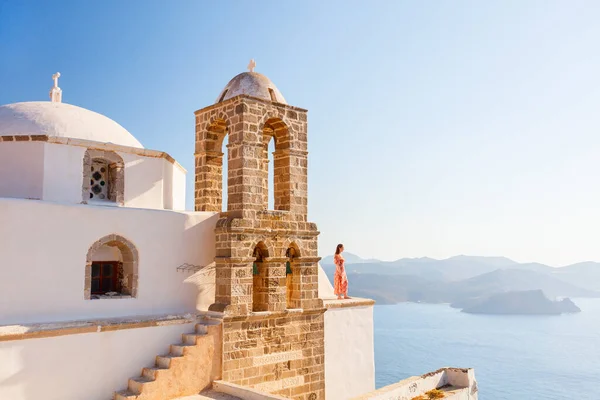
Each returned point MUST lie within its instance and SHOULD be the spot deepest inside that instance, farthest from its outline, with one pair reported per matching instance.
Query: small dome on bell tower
(252, 84)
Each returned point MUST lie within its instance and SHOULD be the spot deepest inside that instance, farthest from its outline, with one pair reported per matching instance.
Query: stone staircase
(188, 368)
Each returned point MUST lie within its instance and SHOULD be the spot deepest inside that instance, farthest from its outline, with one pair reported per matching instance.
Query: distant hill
(350, 259)
(585, 275)
(462, 280)
(451, 269)
(506, 280)
(498, 262)
(382, 289)
(391, 289)
(531, 302)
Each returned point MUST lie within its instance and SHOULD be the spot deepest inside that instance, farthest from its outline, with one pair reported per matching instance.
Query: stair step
(179, 349)
(136, 385)
(165, 361)
(125, 395)
(202, 329)
(192, 338)
(211, 321)
(152, 373)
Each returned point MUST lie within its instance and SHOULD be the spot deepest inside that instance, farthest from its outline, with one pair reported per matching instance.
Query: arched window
(212, 144)
(103, 177)
(276, 170)
(100, 181)
(271, 175)
(292, 282)
(224, 172)
(111, 268)
(260, 294)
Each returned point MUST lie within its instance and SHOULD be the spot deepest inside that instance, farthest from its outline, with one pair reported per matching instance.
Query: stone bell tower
(266, 260)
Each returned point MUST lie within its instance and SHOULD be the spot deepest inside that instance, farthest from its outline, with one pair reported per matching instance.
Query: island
(529, 302)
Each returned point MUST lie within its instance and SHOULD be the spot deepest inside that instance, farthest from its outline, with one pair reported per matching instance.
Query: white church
(110, 289)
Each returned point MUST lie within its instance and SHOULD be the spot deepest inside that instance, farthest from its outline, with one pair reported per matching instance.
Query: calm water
(515, 357)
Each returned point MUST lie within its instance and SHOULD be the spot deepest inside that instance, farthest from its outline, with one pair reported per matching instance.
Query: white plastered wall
(54, 172)
(87, 366)
(204, 279)
(22, 169)
(63, 173)
(325, 287)
(179, 186)
(44, 248)
(349, 352)
(174, 186)
(143, 181)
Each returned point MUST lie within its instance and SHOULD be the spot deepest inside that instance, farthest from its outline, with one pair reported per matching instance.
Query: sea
(515, 357)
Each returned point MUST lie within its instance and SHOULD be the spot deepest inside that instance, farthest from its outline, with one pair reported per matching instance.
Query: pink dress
(340, 280)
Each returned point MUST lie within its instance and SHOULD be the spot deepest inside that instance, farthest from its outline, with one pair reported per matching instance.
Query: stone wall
(279, 349)
(280, 353)
(236, 241)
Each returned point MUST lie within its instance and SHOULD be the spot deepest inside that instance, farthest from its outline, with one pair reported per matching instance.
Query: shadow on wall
(204, 280)
(141, 176)
(325, 287)
(12, 360)
(202, 255)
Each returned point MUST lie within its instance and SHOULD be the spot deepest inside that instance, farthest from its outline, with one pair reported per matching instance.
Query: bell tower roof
(252, 84)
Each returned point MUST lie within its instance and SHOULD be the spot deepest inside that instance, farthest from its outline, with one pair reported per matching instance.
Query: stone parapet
(264, 220)
(454, 383)
(347, 303)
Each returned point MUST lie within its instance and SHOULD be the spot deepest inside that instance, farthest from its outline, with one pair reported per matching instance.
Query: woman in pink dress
(340, 280)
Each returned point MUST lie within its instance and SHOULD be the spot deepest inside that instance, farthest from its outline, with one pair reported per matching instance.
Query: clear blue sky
(435, 128)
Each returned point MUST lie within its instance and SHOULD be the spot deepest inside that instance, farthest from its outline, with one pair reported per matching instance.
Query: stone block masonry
(251, 259)
(277, 345)
(281, 353)
(251, 123)
(266, 260)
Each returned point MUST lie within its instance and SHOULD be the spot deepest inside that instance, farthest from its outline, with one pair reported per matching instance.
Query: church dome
(252, 84)
(62, 120)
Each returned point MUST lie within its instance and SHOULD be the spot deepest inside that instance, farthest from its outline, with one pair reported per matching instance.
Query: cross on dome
(251, 65)
(56, 92)
(55, 77)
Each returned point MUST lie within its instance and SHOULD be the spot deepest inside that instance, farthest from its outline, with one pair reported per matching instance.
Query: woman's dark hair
(337, 249)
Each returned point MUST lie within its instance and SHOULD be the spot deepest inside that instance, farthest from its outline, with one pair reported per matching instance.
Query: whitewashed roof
(62, 120)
